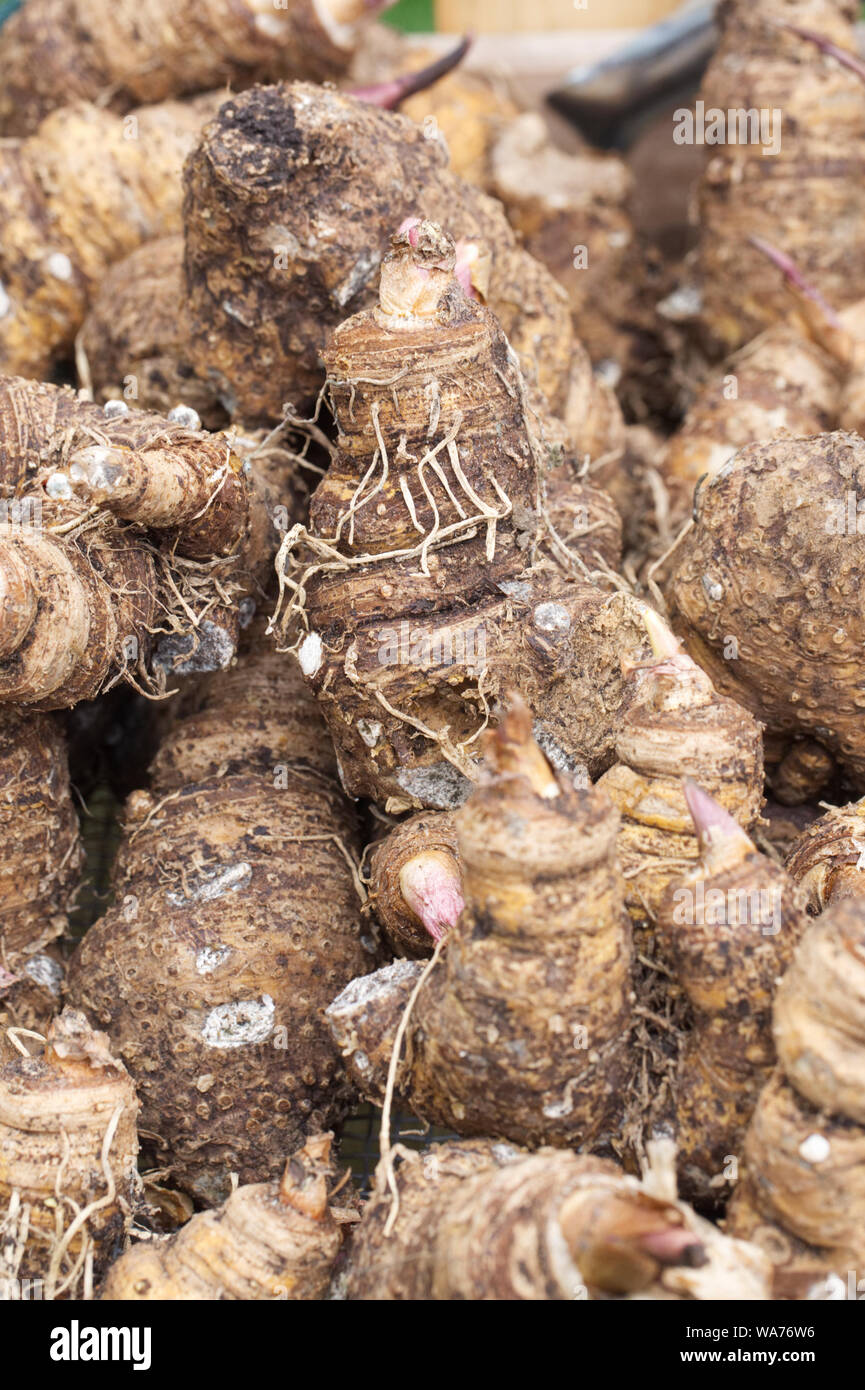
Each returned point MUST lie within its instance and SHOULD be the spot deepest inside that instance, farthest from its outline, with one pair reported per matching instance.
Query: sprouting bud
(390, 95)
(417, 271)
(431, 885)
(474, 263)
(511, 751)
(723, 842)
(677, 682)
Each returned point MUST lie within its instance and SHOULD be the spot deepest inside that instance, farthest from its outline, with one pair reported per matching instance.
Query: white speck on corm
(59, 265)
(815, 1149)
(310, 654)
(187, 417)
(552, 617)
(209, 958)
(57, 486)
(239, 1024)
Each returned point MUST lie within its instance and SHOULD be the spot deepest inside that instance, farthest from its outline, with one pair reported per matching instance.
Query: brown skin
(675, 725)
(149, 530)
(256, 714)
(812, 189)
(443, 607)
(766, 576)
(125, 501)
(728, 930)
(560, 203)
(268, 1241)
(521, 1030)
(781, 384)
(292, 256)
(131, 346)
(236, 920)
(56, 1111)
(56, 52)
(801, 771)
(820, 1013)
(484, 1221)
(40, 868)
(84, 612)
(585, 518)
(60, 229)
(825, 860)
(804, 1193)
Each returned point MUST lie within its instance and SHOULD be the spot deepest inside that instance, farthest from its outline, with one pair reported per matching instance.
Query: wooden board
(523, 16)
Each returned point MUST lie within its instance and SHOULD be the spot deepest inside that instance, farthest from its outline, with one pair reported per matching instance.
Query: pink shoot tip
(391, 94)
(431, 886)
(791, 272)
(714, 825)
(673, 1245)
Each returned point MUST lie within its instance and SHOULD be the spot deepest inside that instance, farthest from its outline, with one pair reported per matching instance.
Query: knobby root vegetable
(40, 868)
(828, 859)
(68, 1179)
(728, 930)
(571, 213)
(131, 346)
(275, 1240)
(794, 379)
(255, 715)
(291, 197)
(55, 53)
(766, 588)
(414, 578)
(236, 920)
(133, 342)
(486, 1221)
(64, 220)
(803, 1195)
(813, 112)
(675, 725)
(585, 520)
(780, 384)
(797, 772)
(86, 590)
(840, 334)
(415, 882)
(469, 109)
(521, 1029)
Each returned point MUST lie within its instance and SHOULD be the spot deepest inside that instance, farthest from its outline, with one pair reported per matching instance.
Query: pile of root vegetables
(432, 672)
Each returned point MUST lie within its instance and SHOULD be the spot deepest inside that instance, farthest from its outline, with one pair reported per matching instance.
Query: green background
(412, 14)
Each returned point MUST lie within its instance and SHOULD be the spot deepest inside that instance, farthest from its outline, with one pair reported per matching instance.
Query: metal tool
(611, 101)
